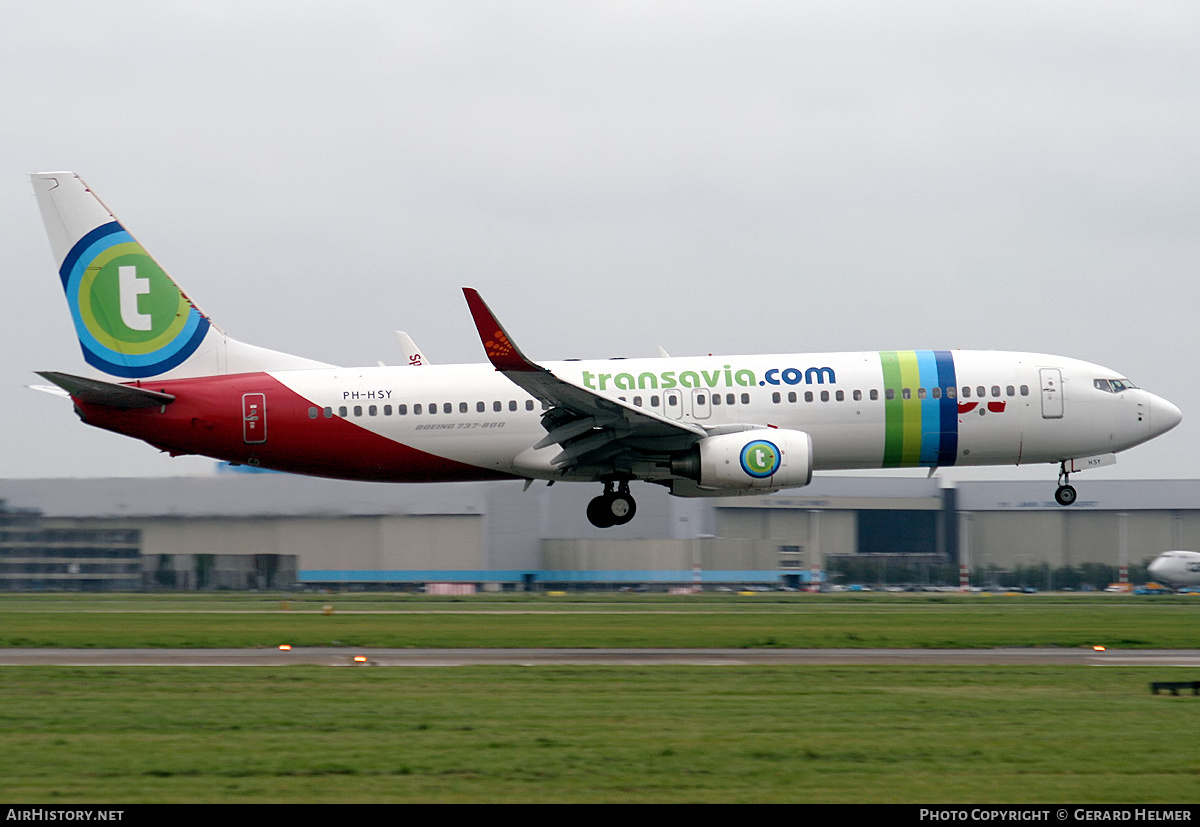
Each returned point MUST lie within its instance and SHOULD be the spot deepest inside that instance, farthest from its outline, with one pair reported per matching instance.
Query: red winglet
(503, 354)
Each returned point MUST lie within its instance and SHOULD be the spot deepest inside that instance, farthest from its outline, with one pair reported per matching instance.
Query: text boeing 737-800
(701, 426)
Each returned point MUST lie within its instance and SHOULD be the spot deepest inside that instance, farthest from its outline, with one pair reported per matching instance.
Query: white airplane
(1176, 568)
(701, 426)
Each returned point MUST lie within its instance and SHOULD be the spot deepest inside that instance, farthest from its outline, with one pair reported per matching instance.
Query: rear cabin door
(254, 418)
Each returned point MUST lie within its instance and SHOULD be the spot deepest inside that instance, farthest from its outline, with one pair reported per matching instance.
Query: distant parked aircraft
(1177, 568)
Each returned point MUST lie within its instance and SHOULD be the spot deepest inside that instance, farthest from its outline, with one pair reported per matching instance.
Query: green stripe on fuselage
(902, 417)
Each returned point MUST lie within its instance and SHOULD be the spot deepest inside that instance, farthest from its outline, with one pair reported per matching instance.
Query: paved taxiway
(316, 656)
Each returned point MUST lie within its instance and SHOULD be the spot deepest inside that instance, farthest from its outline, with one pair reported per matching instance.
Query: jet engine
(764, 459)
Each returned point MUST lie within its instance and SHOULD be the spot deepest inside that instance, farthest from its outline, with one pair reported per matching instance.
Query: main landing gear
(1065, 495)
(612, 507)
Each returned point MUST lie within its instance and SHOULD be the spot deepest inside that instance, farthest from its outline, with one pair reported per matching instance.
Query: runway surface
(598, 657)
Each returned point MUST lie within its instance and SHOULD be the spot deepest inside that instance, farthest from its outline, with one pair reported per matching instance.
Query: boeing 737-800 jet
(701, 426)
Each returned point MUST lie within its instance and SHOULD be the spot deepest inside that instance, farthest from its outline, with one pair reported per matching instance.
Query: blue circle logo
(131, 319)
(761, 459)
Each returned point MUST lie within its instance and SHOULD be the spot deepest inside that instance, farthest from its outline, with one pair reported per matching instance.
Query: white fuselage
(862, 410)
(1177, 568)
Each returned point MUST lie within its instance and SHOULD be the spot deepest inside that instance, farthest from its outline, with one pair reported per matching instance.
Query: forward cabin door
(254, 418)
(1052, 401)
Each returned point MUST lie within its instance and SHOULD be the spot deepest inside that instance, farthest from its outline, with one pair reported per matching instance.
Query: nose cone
(1163, 415)
(1156, 566)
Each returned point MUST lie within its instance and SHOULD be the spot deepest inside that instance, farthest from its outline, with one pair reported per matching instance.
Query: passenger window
(637, 400)
(373, 411)
(905, 393)
(874, 394)
(1010, 390)
(716, 399)
(417, 409)
(387, 410)
(358, 410)
(447, 407)
(654, 401)
(824, 396)
(512, 404)
(981, 391)
(889, 394)
(328, 413)
(858, 396)
(312, 413)
(480, 407)
(966, 392)
(497, 406)
(995, 390)
(937, 393)
(920, 393)
(791, 396)
(808, 397)
(342, 412)
(700, 400)
(462, 407)
(745, 399)
(840, 396)
(729, 399)
(1024, 390)
(776, 398)
(952, 393)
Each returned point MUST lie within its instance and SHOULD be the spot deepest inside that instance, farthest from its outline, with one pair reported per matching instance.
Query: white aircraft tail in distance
(700, 426)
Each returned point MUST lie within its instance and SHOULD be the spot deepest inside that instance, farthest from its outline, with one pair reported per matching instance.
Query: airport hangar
(269, 530)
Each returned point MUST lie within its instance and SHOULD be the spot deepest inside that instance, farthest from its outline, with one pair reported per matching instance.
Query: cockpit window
(1113, 385)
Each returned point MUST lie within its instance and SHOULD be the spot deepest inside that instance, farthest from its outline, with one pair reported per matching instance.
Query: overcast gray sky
(709, 176)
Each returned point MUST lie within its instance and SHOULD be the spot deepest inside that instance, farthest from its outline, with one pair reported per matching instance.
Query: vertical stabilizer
(133, 321)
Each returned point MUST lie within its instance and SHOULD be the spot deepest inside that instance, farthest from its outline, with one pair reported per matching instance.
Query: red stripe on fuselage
(207, 418)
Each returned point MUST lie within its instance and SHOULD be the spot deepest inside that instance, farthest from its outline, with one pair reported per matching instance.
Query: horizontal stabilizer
(97, 392)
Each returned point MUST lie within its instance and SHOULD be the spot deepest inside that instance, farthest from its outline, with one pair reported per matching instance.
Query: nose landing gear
(612, 507)
(1065, 495)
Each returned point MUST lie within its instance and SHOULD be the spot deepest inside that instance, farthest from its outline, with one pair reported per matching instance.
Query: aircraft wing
(590, 427)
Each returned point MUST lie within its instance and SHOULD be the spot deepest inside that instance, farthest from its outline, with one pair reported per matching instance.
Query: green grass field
(596, 733)
(599, 734)
(764, 620)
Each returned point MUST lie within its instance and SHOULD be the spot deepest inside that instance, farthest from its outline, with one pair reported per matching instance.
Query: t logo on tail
(130, 287)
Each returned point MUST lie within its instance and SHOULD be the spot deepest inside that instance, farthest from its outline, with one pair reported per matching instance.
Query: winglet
(503, 354)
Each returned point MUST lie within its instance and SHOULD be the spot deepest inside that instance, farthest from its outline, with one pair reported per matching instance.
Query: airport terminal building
(266, 530)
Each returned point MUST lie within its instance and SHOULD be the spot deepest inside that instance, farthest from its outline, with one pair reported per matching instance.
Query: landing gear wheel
(1065, 495)
(622, 508)
(612, 507)
(598, 512)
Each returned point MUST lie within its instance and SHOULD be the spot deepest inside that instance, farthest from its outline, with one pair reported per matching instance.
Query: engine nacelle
(764, 459)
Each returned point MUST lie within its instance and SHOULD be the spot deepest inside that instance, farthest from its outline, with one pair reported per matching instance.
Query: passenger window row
(981, 391)
(716, 399)
(701, 399)
(905, 393)
(417, 409)
(824, 396)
